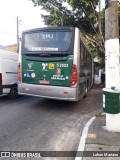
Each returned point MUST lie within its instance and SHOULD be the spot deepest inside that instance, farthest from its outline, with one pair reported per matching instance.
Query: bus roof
(50, 28)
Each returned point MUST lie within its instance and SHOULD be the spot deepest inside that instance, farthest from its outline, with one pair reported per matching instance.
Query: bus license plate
(44, 82)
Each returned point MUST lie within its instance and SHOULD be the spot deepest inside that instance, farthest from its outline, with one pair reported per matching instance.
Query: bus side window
(89, 62)
(82, 62)
(81, 51)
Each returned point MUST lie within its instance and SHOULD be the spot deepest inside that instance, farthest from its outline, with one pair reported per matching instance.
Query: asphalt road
(37, 124)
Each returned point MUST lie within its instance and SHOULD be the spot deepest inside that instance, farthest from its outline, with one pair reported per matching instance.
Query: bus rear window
(47, 41)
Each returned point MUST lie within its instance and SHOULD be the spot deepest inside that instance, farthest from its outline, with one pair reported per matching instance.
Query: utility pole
(111, 20)
(111, 92)
(17, 34)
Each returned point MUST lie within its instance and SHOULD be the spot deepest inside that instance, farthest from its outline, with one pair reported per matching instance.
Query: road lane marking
(81, 146)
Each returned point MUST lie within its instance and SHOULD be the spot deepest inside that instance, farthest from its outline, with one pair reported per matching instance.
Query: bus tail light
(0, 78)
(74, 75)
(19, 73)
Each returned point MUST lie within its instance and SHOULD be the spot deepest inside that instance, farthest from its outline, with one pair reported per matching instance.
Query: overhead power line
(1, 30)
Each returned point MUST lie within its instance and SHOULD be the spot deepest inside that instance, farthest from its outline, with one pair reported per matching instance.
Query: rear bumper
(52, 92)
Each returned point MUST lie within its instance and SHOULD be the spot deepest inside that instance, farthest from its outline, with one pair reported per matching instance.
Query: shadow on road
(91, 103)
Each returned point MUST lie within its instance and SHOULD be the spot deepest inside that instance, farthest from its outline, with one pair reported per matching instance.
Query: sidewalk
(106, 143)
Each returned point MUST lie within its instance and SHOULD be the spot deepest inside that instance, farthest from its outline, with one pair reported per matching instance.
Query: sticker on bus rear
(44, 65)
(58, 72)
(51, 65)
(33, 75)
(28, 75)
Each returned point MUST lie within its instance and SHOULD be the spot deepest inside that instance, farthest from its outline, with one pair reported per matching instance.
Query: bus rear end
(46, 65)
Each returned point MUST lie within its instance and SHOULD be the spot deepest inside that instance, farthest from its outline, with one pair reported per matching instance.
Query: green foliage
(81, 14)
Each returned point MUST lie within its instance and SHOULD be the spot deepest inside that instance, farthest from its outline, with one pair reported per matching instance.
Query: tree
(77, 13)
